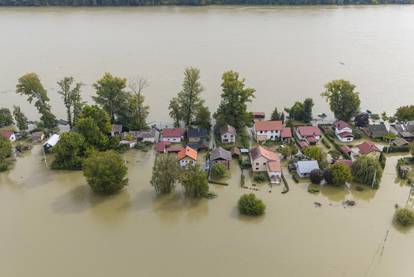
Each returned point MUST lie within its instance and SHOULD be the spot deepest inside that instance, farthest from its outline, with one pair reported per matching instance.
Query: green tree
(412, 148)
(165, 173)
(405, 113)
(218, 170)
(5, 152)
(21, 119)
(301, 111)
(341, 174)
(30, 86)
(111, 95)
(70, 93)
(99, 116)
(404, 216)
(6, 118)
(195, 182)
(175, 112)
(250, 205)
(92, 134)
(276, 115)
(203, 118)
(367, 170)
(342, 98)
(137, 110)
(314, 153)
(316, 176)
(233, 106)
(105, 172)
(69, 151)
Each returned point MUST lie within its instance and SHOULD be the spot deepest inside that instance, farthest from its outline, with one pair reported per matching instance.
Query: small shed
(51, 142)
(304, 168)
(220, 155)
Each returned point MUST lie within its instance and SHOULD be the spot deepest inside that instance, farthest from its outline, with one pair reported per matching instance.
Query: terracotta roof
(312, 139)
(286, 132)
(274, 166)
(346, 135)
(345, 162)
(228, 129)
(261, 151)
(269, 125)
(345, 149)
(259, 114)
(307, 131)
(341, 125)
(173, 132)
(303, 144)
(220, 154)
(187, 152)
(367, 147)
(161, 146)
(6, 134)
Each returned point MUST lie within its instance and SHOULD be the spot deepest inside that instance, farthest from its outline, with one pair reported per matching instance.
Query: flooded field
(54, 226)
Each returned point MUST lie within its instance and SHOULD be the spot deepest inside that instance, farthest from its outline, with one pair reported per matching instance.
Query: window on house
(257, 163)
(257, 168)
(264, 163)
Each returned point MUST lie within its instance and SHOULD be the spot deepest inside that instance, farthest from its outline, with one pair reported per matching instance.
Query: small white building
(343, 131)
(187, 156)
(268, 130)
(173, 135)
(304, 168)
(131, 144)
(51, 142)
(228, 134)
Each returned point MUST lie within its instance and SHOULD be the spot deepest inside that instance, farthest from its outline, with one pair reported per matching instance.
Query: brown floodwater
(52, 225)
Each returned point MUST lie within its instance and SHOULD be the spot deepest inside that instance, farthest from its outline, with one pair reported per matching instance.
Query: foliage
(233, 106)
(111, 95)
(218, 170)
(316, 176)
(137, 110)
(195, 182)
(203, 118)
(405, 113)
(260, 177)
(382, 159)
(91, 132)
(361, 120)
(6, 118)
(165, 173)
(314, 153)
(249, 204)
(71, 98)
(301, 111)
(341, 174)
(276, 115)
(69, 151)
(30, 86)
(412, 148)
(99, 116)
(342, 98)
(105, 172)
(5, 152)
(367, 170)
(404, 216)
(21, 119)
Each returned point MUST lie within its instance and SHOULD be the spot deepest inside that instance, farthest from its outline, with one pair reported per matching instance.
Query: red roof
(269, 125)
(161, 146)
(367, 147)
(6, 134)
(274, 166)
(187, 152)
(259, 114)
(345, 149)
(312, 139)
(173, 132)
(260, 151)
(346, 135)
(341, 125)
(286, 133)
(307, 131)
(303, 144)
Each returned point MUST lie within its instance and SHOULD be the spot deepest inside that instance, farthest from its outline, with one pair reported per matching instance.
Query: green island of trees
(404, 217)
(249, 204)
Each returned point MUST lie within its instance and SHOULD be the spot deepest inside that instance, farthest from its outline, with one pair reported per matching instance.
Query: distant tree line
(194, 2)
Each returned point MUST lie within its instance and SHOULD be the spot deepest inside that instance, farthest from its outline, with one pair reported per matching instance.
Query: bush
(250, 205)
(313, 189)
(340, 174)
(367, 170)
(404, 216)
(328, 176)
(260, 177)
(316, 176)
(105, 172)
(195, 182)
(218, 170)
(69, 151)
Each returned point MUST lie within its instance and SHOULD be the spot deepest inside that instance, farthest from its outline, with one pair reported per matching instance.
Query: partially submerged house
(51, 142)
(376, 131)
(173, 134)
(197, 134)
(187, 156)
(304, 168)
(129, 143)
(309, 134)
(220, 155)
(399, 142)
(367, 148)
(38, 136)
(343, 131)
(268, 130)
(228, 134)
(263, 160)
(116, 130)
(10, 135)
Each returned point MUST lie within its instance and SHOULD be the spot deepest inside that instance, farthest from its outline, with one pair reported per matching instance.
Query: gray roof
(305, 167)
(197, 133)
(378, 130)
(399, 142)
(220, 154)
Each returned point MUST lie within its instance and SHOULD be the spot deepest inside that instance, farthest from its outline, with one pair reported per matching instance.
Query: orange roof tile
(187, 152)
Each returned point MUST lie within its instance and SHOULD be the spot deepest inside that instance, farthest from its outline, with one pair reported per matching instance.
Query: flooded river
(52, 225)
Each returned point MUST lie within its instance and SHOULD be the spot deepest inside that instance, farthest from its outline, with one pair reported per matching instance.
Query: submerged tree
(342, 98)
(175, 111)
(6, 117)
(405, 113)
(111, 95)
(69, 151)
(70, 93)
(233, 106)
(195, 182)
(30, 86)
(137, 110)
(367, 170)
(301, 111)
(5, 152)
(249, 204)
(20, 118)
(165, 173)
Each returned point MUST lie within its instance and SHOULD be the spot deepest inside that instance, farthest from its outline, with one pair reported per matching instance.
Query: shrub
(404, 216)
(195, 182)
(367, 170)
(316, 176)
(340, 174)
(327, 175)
(260, 177)
(218, 170)
(105, 172)
(250, 205)
(313, 189)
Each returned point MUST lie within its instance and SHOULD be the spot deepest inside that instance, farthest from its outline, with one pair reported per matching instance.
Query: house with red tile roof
(10, 135)
(367, 148)
(286, 134)
(161, 147)
(264, 160)
(187, 156)
(343, 131)
(172, 134)
(268, 130)
(310, 134)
